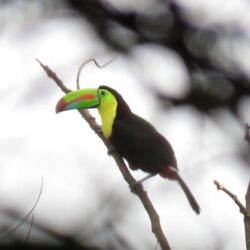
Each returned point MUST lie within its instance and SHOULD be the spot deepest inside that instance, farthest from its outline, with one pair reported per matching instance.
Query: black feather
(141, 145)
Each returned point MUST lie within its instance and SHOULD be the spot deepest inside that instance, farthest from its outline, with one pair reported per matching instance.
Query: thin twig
(86, 62)
(25, 217)
(233, 196)
(31, 224)
(69, 241)
(138, 189)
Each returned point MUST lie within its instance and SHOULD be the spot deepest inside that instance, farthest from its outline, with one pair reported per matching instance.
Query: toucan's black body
(138, 141)
(143, 146)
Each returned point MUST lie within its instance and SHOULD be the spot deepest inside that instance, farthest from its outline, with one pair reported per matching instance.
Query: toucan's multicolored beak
(79, 99)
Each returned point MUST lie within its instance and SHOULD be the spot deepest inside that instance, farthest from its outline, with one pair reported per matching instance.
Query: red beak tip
(61, 106)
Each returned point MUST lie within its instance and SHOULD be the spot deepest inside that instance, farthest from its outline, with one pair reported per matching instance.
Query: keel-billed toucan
(132, 137)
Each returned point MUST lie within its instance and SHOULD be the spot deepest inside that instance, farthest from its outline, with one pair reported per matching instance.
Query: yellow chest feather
(107, 113)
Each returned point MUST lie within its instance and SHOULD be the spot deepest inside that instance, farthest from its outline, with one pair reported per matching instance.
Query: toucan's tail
(193, 203)
(172, 174)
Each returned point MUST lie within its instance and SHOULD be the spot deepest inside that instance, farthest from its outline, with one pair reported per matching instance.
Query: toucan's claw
(136, 183)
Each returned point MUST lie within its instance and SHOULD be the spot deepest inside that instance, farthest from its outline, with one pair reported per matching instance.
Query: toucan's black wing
(136, 129)
(141, 145)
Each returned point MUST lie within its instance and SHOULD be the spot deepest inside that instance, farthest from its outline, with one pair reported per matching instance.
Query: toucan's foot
(111, 150)
(136, 183)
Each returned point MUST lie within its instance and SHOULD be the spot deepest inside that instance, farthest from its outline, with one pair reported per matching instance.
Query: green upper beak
(79, 99)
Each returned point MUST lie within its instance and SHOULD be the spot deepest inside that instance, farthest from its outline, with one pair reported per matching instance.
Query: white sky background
(77, 172)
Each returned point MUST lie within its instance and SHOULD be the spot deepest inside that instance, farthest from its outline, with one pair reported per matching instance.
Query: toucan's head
(108, 101)
(102, 98)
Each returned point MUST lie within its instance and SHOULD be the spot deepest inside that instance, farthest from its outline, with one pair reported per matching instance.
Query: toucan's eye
(102, 93)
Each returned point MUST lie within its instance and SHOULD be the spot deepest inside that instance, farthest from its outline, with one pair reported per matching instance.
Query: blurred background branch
(213, 83)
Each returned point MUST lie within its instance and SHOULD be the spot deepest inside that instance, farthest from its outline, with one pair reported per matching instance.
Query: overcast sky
(76, 170)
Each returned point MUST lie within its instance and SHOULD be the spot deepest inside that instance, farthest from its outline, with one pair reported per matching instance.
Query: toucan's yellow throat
(107, 111)
(111, 106)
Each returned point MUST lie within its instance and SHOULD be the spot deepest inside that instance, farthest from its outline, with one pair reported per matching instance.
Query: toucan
(131, 136)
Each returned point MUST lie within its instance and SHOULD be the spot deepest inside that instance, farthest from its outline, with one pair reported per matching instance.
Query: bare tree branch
(53, 75)
(247, 215)
(247, 218)
(137, 189)
(233, 196)
(86, 62)
(244, 210)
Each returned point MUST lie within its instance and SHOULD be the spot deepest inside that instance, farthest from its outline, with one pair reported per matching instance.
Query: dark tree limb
(138, 189)
(101, 15)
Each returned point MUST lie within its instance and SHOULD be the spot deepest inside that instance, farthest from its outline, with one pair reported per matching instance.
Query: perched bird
(132, 137)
